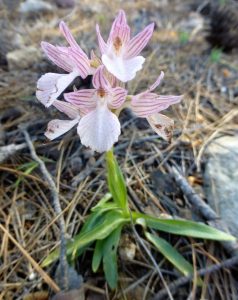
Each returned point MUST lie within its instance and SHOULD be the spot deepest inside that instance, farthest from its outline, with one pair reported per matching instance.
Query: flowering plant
(95, 112)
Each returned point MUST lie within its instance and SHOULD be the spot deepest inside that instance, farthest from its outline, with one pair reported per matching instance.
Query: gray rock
(35, 7)
(65, 3)
(221, 179)
(23, 58)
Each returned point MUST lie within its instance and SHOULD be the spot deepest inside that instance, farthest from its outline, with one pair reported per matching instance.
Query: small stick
(57, 208)
(204, 209)
(229, 263)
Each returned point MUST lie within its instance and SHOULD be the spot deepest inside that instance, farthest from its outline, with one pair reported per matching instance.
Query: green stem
(116, 182)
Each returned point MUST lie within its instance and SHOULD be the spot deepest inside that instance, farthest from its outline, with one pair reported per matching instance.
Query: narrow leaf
(96, 231)
(184, 227)
(97, 255)
(102, 202)
(110, 257)
(171, 254)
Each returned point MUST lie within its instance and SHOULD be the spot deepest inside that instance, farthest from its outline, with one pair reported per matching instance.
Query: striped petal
(102, 45)
(99, 79)
(146, 104)
(68, 36)
(120, 31)
(51, 85)
(138, 43)
(123, 69)
(117, 97)
(81, 62)
(162, 125)
(157, 82)
(57, 127)
(58, 55)
(99, 129)
(84, 100)
(67, 108)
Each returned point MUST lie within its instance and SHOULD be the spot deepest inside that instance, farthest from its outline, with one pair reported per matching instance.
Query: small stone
(35, 7)
(127, 249)
(70, 295)
(65, 3)
(23, 58)
(221, 178)
(76, 164)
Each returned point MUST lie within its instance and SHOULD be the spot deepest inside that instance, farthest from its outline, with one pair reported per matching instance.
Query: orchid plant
(95, 112)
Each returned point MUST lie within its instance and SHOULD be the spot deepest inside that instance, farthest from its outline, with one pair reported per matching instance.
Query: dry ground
(209, 108)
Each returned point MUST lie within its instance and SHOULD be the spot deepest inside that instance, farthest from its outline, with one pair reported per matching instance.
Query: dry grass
(29, 231)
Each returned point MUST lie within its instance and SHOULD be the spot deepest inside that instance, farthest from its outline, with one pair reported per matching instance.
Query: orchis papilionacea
(95, 111)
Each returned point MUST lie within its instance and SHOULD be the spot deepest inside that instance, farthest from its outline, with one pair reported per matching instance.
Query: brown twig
(203, 209)
(57, 208)
(229, 263)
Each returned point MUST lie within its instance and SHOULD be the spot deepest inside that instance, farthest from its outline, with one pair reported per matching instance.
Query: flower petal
(81, 62)
(138, 43)
(123, 69)
(51, 85)
(119, 29)
(157, 82)
(146, 104)
(102, 45)
(56, 128)
(162, 125)
(85, 100)
(67, 108)
(117, 97)
(58, 55)
(68, 36)
(99, 129)
(99, 79)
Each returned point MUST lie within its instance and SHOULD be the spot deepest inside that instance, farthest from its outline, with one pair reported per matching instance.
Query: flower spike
(95, 111)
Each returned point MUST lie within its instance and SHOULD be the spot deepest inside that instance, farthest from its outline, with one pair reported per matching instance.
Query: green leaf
(110, 257)
(92, 221)
(111, 221)
(98, 227)
(184, 227)
(103, 201)
(171, 254)
(116, 182)
(27, 168)
(97, 255)
(107, 206)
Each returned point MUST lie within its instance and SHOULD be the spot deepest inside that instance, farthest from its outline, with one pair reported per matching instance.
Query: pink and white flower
(148, 105)
(72, 59)
(58, 127)
(99, 127)
(120, 53)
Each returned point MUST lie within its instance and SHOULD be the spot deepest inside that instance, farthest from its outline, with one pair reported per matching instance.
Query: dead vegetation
(29, 230)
